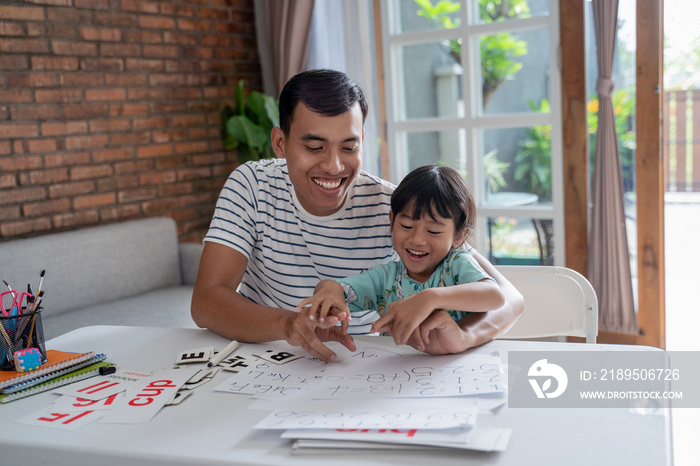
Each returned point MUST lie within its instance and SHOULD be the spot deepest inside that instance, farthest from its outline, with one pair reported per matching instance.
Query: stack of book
(61, 368)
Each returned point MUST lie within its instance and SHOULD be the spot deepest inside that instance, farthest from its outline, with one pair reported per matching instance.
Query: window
(475, 84)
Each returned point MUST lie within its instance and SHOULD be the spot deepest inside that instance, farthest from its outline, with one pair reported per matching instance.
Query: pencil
(221, 355)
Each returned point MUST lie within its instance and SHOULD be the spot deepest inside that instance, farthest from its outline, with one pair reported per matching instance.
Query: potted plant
(247, 126)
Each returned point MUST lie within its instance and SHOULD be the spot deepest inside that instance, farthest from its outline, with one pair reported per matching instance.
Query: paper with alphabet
(98, 388)
(61, 419)
(373, 413)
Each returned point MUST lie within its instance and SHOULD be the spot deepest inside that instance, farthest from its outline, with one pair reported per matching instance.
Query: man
(282, 225)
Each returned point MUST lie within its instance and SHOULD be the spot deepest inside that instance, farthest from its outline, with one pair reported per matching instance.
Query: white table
(215, 428)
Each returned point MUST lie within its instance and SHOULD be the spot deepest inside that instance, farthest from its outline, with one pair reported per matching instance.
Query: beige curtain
(282, 29)
(608, 261)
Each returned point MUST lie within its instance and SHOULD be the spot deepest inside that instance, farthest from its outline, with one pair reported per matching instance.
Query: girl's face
(422, 244)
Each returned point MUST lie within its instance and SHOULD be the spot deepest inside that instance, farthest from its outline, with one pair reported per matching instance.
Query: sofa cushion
(95, 265)
(166, 307)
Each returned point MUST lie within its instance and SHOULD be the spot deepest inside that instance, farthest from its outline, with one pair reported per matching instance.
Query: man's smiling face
(324, 156)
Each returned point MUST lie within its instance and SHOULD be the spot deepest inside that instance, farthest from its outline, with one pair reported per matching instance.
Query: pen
(221, 355)
(7, 285)
(41, 281)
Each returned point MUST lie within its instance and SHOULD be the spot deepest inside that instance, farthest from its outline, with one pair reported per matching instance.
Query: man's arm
(217, 305)
(444, 335)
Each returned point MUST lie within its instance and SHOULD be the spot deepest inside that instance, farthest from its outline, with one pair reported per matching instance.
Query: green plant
(498, 51)
(247, 127)
(534, 157)
(494, 169)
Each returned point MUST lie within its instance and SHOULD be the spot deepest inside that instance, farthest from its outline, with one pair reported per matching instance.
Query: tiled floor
(682, 222)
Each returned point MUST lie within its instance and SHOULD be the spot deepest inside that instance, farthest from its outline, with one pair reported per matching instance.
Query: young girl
(432, 213)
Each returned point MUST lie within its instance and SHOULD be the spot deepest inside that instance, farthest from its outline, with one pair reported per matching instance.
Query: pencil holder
(19, 332)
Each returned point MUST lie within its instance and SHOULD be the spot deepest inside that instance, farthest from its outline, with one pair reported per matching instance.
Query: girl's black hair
(436, 189)
(327, 92)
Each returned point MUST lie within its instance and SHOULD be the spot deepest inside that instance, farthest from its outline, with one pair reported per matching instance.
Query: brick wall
(109, 110)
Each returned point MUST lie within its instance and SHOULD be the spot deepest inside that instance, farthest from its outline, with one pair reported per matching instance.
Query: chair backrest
(558, 302)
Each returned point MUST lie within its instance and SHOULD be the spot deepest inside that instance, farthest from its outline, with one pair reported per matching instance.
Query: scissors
(16, 307)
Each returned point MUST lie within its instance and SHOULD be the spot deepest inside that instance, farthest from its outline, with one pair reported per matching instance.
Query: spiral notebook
(56, 361)
(73, 376)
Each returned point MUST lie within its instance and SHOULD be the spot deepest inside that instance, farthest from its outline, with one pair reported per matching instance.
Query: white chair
(558, 302)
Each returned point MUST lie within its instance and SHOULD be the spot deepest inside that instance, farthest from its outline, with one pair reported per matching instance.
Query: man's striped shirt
(288, 249)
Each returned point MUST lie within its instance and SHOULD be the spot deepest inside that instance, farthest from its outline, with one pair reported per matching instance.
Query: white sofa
(131, 273)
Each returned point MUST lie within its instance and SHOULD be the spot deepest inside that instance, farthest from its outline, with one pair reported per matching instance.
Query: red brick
(149, 179)
(168, 136)
(146, 94)
(7, 180)
(112, 155)
(54, 63)
(213, 13)
(52, 2)
(188, 120)
(168, 108)
(87, 142)
(64, 128)
(90, 172)
(19, 130)
(137, 194)
(11, 29)
(33, 80)
(36, 146)
(131, 139)
(102, 64)
(191, 147)
(125, 80)
(24, 227)
(63, 190)
(24, 46)
(165, 163)
(79, 112)
(181, 38)
(186, 174)
(208, 159)
(154, 151)
(142, 37)
(36, 112)
(14, 62)
(141, 6)
(142, 124)
(175, 189)
(170, 9)
(194, 25)
(11, 212)
(199, 53)
(73, 219)
(136, 166)
(66, 159)
(156, 22)
(60, 47)
(160, 51)
(158, 80)
(29, 13)
(52, 30)
(96, 4)
(120, 50)
(69, 15)
(39, 209)
(120, 212)
(109, 126)
(19, 195)
(40, 177)
(16, 163)
(117, 19)
(16, 96)
(5, 148)
(184, 93)
(128, 110)
(160, 205)
(82, 79)
(94, 200)
(59, 95)
(141, 64)
(116, 183)
(100, 34)
(105, 95)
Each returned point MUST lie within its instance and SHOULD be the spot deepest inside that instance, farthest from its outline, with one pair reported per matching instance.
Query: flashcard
(278, 357)
(235, 363)
(69, 403)
(97, 388)
(144, 400)
(206, 373)
(195, 355)
(178, 397)
(63, 420)
(192, 386)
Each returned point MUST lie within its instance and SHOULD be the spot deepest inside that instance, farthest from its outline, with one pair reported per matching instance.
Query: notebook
(43, 378)
(73, 376)
(56, 360)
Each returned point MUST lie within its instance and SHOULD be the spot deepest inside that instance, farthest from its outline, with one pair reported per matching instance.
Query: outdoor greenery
(247, 126)
(498, 51)
(534, 157)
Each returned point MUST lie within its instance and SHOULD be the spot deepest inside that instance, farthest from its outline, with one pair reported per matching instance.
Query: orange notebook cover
(56, 360)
